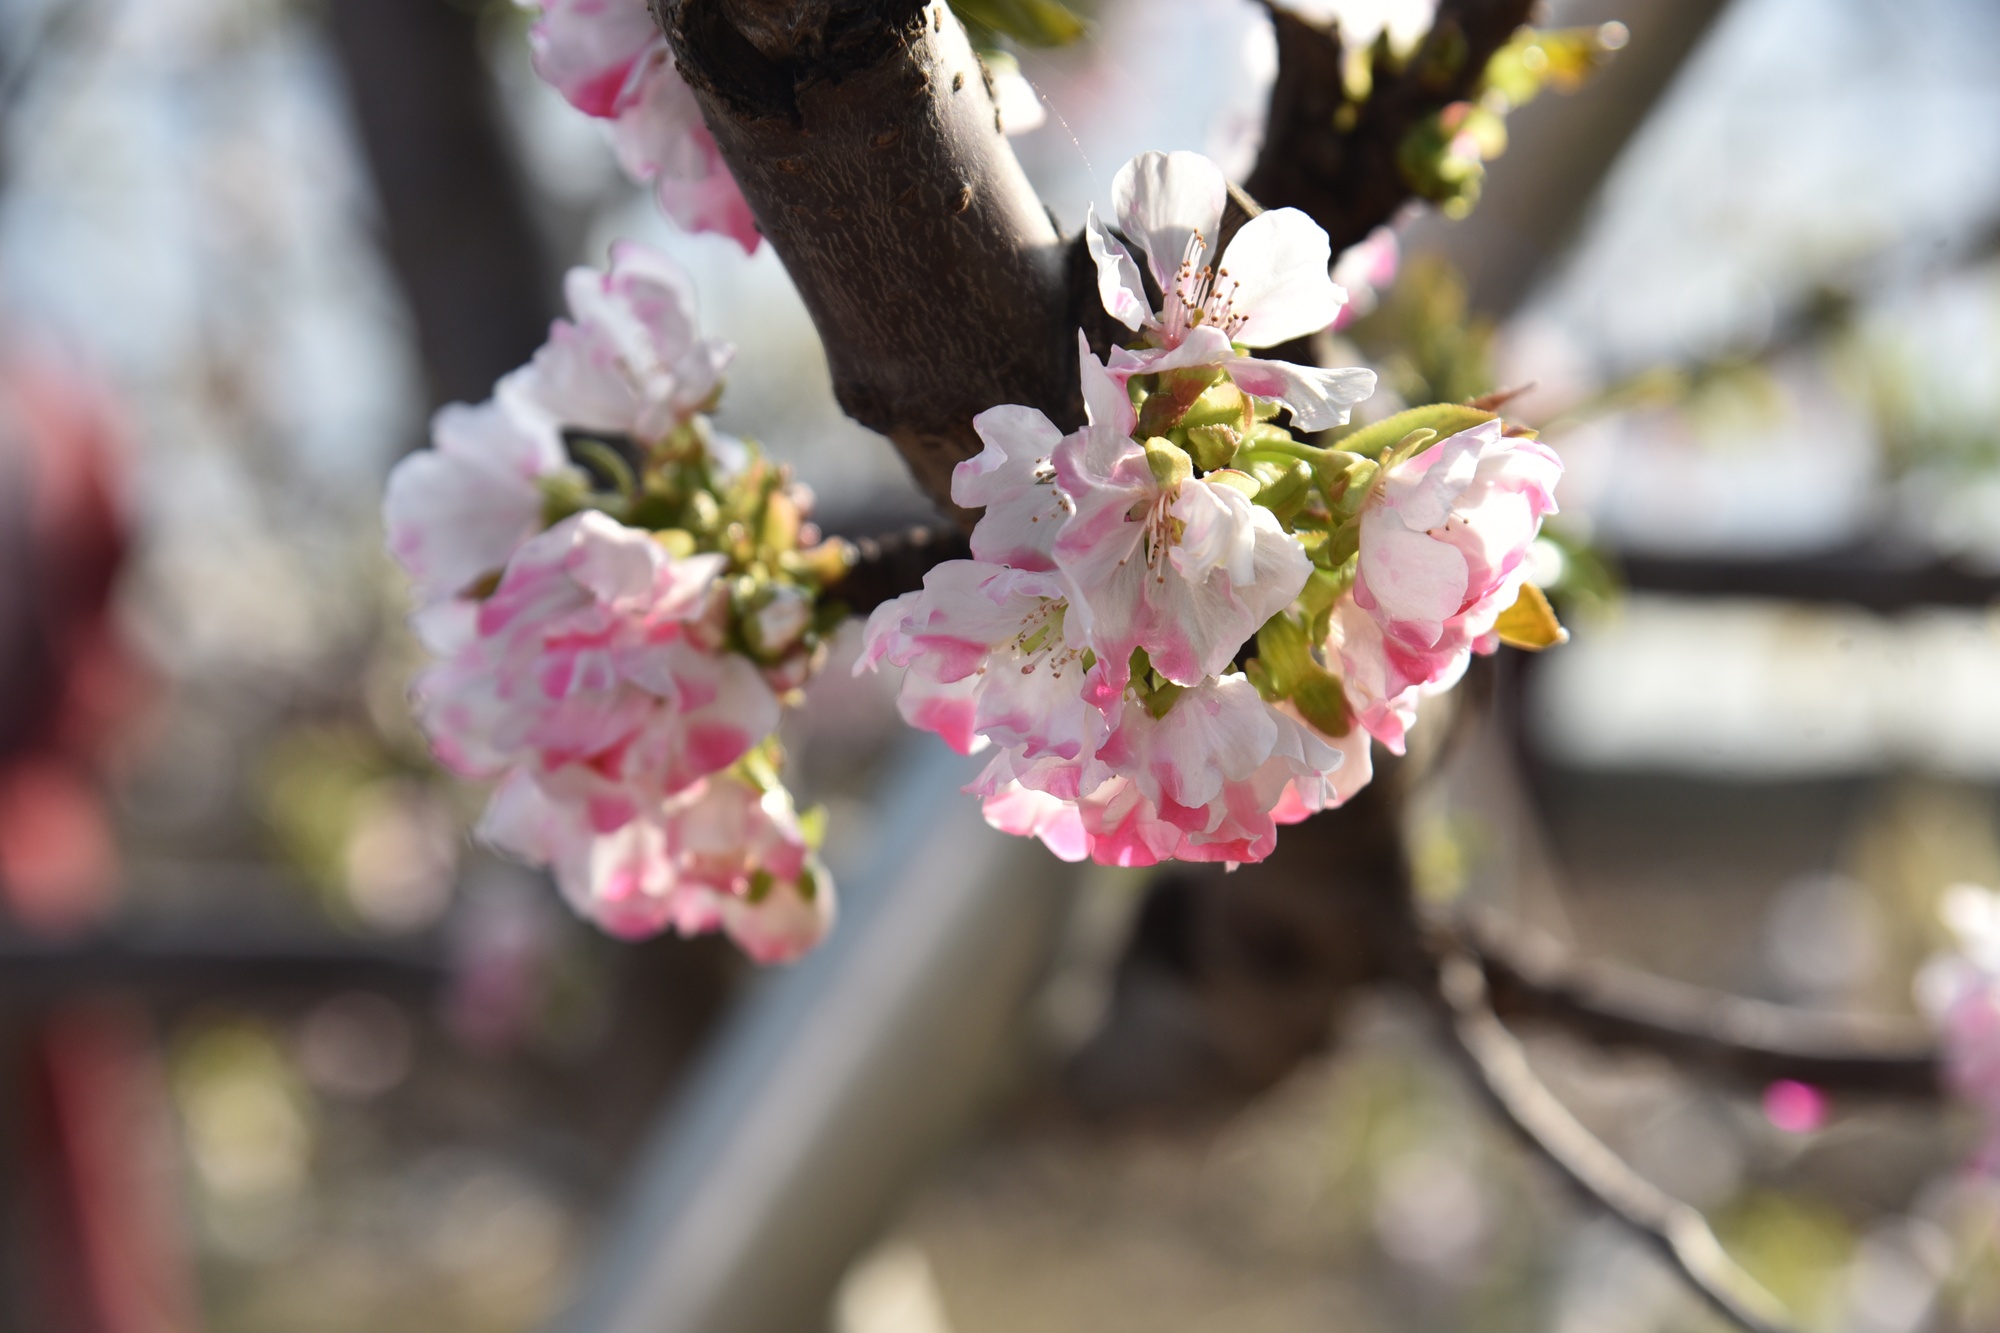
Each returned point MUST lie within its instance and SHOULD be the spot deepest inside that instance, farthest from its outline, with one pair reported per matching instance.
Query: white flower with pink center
(1208, 780)
(1270, 285)
(582, 667)
(991, 658)
(609, 60)
(1013, 479)
(630, 360)
(720, 855)
(1443, 551)
(1185, 567)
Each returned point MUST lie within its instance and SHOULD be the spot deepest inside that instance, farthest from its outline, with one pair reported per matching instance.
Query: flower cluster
(621, 599)
(1961, 993)
(1181, 624)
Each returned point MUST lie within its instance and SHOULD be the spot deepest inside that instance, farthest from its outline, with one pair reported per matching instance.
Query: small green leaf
(1447, 419)
(1030, 22)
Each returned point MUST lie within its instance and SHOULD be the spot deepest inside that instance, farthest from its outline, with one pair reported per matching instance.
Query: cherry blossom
(991, 659)
(456, 512)
(1185, 567)
(1209, 779)
(1443, 549)
(661, 140)
(630, 360)
(720, 855)
(583, 667)
(1269, 286)
(591, 51)
(1013, 479)
(609, 60)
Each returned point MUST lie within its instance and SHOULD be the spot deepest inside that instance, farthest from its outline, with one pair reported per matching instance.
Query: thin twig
(1675, 1228)
(1532, 975)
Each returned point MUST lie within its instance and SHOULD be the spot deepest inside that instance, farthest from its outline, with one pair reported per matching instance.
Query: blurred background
(281, 1050)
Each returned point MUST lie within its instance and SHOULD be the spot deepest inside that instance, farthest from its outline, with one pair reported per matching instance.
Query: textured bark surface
(866, 141)
(1348, 179)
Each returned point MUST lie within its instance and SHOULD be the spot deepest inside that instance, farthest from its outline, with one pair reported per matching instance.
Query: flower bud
(776, 620)
(1171, 465)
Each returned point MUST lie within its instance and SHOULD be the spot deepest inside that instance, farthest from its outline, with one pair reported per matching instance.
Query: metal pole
(837, 1081)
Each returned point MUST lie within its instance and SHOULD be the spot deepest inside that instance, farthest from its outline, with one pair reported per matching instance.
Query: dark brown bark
(867, 144)
(1348, 179)
(889, 565)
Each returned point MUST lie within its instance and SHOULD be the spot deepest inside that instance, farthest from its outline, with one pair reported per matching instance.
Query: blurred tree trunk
(456, 223)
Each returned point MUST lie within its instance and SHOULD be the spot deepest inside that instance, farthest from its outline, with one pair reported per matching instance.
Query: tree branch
(1533, 976)
(1677, 1230)
(865, 139)
(893, 563)
(1348, 178)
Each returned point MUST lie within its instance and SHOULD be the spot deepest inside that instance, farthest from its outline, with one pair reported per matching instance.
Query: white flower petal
(1279, 262)
(1319, 398)
(1119, 285)
(1162, 199)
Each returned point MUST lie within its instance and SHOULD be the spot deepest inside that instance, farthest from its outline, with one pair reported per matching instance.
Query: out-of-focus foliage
(1444, 158)
(1424, 339)
(1797, 1247)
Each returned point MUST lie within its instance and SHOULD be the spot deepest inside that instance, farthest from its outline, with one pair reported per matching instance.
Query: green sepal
(1447, 419)
(1287, 493)
(1214, 446)
(1174, 394)
(1407, 448)
(599, 457)
(1290, 671)
(1160, 698)
(564, 493)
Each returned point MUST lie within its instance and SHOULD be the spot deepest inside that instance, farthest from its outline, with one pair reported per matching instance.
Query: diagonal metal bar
(835, 1082)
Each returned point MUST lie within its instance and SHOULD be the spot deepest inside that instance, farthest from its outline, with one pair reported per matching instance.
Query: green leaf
(1447, 419)
(1030, 22)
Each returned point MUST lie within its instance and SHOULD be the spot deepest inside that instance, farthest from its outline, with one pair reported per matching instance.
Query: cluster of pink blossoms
(620, 600)
(1961, 993)
(1182, 625)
